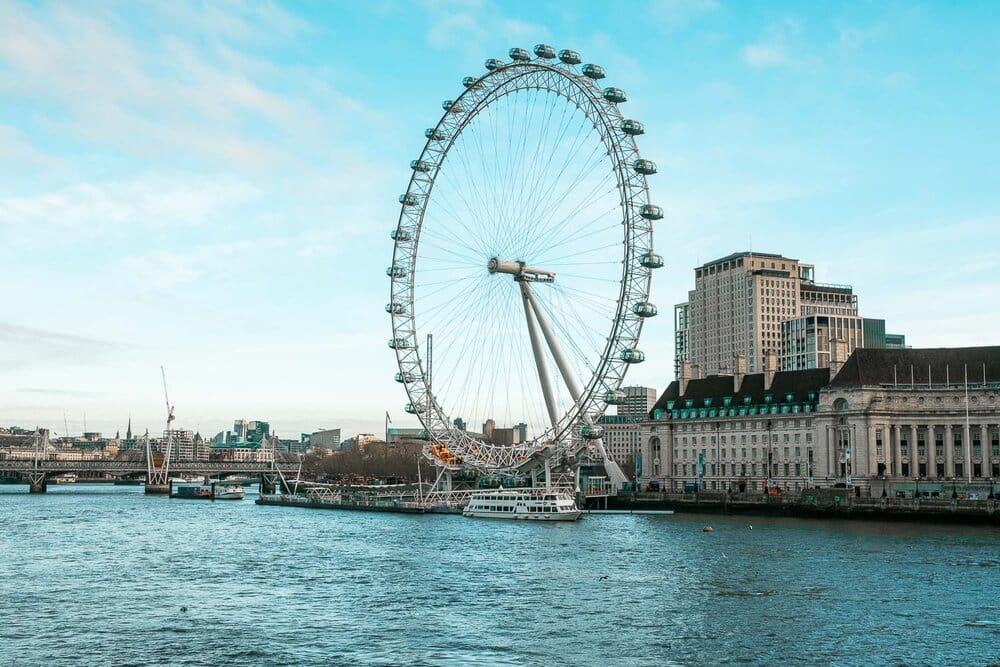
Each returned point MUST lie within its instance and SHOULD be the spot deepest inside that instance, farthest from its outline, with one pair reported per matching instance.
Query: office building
(623, 440)
(747, 304)
(638, 402)
(328, 439)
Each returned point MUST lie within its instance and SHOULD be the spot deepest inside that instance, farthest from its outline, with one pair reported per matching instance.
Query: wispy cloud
(674, 14)
(27, 347)
(469, 24)
(772, 49)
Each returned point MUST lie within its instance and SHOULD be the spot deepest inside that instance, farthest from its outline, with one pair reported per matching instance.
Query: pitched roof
(797, 383)
(873, 367)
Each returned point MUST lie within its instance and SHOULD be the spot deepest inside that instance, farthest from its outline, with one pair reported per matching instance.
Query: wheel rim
(425, 246)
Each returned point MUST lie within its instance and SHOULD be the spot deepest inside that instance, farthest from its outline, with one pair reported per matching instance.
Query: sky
(209, 186)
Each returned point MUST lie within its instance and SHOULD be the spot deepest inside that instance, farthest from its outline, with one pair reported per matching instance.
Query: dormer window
(708, 402)
(768, 398)
(789, 397)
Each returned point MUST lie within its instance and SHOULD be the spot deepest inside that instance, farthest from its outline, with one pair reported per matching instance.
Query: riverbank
(819, 504)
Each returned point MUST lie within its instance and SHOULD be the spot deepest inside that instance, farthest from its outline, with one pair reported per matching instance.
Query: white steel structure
(524, 243)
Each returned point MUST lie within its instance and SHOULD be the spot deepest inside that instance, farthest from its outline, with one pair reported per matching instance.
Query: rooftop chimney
(740, 372)
(770, 368)
(685, 376)
(838, 355)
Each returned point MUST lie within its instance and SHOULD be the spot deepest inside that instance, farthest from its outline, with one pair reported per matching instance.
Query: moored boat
(526, 504)
(207, 490)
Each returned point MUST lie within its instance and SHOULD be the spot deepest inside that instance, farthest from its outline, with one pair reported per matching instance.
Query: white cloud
(469, 25)
(772, 49)
(764, 55)
(673, 14)
(89, 208)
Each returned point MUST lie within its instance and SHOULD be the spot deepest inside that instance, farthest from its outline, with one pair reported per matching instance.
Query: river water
(106, 575)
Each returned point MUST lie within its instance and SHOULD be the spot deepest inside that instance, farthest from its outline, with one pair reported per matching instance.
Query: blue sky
(209, 186)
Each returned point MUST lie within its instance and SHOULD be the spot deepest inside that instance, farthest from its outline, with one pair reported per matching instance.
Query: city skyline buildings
(238, 238)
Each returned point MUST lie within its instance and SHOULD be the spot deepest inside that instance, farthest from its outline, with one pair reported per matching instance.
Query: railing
(140, 466)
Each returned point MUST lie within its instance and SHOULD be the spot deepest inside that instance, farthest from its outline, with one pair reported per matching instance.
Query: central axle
(520, 271)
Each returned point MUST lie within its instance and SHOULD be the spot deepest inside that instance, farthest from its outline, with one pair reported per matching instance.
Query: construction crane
(169, 433)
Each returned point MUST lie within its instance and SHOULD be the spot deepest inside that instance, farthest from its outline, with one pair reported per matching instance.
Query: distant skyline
(210, 186)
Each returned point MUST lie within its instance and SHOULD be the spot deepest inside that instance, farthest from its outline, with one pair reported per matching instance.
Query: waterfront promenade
(100, 574)
(831, 504)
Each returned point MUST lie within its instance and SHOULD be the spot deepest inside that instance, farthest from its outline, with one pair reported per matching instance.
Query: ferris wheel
(521, 264)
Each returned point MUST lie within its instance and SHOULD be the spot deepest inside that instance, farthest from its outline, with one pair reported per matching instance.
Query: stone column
(897, 452)
(967, 449)
(931, 453)
(949, 452)
(872, 457)
(984, 449)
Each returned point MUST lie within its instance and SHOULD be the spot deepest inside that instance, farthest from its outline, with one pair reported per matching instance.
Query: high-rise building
(681, 331)
(750, 303)
(638, 402)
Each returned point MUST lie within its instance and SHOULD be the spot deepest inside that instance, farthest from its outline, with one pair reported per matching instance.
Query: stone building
(898, 421)
(900, 418)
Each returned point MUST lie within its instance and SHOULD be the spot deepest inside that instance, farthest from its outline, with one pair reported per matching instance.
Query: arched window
(840, 404)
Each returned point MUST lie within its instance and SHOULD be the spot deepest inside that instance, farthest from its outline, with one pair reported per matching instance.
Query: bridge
(155, 466)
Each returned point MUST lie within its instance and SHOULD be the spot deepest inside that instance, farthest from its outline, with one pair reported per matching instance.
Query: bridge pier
(157, 489)
(37, 483)
(267, 484)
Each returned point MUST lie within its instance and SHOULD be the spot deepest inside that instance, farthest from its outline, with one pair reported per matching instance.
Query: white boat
(208, 490)
(526, 504)
(228, 492)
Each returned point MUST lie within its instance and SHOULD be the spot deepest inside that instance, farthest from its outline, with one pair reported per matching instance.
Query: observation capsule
(493, 64)
(651, 260)
(395, 308)
(404, 378)
(396, 271)
(569, 57)
(414, 409)
(616, 95)
(419, 165)
(470, 81)
(591, 432)
(450, 105)
(545, 51)
(400, 235)
(632, 356)
(409, 199)
(651, 212)
(614, 397)
(435, 134)
(644, 309)
(519, 55)
(399, 343)
(593, 71)
(644, 167)
(632, 127)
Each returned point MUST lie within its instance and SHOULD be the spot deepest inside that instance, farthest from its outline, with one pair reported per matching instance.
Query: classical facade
(905, 417)
(741, 432)
(897, 421)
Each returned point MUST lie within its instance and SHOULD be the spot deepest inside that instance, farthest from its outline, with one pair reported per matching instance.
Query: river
(106, 575)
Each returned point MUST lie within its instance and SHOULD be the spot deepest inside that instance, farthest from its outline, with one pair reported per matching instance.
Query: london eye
(521, 265)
